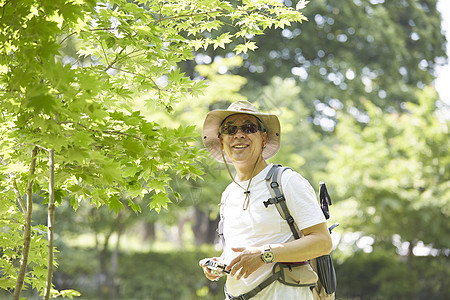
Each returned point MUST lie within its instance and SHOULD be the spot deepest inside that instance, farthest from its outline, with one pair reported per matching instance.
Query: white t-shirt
(258, 226)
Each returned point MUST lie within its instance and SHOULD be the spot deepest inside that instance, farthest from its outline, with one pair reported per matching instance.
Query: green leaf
(158, 201)
(133, 147)
(222, 40)
(134, 206)
(68, 293)
(77, 155)
(175, 75)
(240, 49)
(42, 103)
(74, 202)
(115, 204)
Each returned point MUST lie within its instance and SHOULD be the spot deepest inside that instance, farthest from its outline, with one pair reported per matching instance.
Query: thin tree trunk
(51, 213)
(27, 229)
(410, 256)
(115, 259)
(102, 281)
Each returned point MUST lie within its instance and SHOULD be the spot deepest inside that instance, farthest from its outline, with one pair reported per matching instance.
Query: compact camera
(217, 268)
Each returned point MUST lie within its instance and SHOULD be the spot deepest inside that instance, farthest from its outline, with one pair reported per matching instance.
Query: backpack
(323, 265)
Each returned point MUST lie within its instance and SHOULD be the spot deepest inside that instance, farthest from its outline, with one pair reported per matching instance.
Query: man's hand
(208, 272)
(247, 262)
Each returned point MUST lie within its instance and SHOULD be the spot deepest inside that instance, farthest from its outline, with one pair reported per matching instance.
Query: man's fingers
(210, 275)
(238, 249)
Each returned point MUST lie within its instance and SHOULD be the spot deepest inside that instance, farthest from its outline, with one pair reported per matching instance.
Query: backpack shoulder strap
(273, 181)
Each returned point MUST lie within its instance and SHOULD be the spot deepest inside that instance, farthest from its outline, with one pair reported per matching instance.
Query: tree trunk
(180, 231)
(149, 231)
(204, 228)
(27, 229)
(410, 256)
(103, 274)
(115, 258)
(51, 212)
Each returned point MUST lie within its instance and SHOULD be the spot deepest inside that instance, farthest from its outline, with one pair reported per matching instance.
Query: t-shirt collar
(260, 176)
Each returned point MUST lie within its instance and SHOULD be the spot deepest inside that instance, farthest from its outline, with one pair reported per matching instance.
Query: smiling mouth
(240, 146)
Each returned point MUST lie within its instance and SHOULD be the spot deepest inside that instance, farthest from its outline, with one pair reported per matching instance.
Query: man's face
(241, 147)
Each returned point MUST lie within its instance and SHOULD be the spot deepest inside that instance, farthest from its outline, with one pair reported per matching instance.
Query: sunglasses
(246, 128)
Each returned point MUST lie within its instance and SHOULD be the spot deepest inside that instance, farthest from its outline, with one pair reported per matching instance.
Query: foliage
(80, 104)
(366, 276)
(394, 173)
(383, 275)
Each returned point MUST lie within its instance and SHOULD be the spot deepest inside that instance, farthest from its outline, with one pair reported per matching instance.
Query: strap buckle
(290, 220)
(274, 200)
(268, 202)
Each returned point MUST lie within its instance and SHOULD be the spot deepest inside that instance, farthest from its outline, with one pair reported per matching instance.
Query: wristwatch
(267, 256)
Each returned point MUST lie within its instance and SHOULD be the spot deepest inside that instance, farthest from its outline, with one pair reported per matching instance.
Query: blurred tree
(353, 50)
(394, 174)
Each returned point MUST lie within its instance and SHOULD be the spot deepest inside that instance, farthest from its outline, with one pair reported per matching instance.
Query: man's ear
(265, 138)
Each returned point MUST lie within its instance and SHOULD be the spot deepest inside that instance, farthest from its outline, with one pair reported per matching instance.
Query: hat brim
(214, 119)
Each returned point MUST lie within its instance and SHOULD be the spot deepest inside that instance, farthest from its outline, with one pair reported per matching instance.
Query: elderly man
(255, 236)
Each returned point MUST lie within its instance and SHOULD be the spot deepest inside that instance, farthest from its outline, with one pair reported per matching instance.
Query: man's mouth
(240, 146)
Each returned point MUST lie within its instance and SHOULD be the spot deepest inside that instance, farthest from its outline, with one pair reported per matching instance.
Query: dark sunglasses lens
(249, 128)
(232, 129)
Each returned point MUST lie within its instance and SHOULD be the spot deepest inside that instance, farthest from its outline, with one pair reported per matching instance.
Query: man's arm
(315, 242)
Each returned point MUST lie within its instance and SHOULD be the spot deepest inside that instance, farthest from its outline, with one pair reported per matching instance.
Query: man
(256, 237)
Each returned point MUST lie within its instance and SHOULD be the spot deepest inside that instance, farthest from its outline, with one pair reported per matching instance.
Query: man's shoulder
(293, 178)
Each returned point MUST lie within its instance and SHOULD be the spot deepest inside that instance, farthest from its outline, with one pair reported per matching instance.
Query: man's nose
(239, 132)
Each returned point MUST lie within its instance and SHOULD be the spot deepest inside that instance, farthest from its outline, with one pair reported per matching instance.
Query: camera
(217, 268)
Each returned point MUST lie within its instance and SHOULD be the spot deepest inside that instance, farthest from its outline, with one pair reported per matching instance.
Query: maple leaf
(159, 200)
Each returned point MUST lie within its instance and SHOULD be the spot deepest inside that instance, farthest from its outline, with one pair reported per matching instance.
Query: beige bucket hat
(215, 118)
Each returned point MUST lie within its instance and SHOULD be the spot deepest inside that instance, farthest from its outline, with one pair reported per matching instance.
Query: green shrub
(382, 275)
(162, 276)
(153, 275)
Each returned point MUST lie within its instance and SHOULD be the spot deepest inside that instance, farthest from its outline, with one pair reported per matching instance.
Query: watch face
(268, 256)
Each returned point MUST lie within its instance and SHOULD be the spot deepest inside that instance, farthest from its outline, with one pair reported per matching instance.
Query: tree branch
(116, 59)
(19, 196)
(67, 36)
(104, 52)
